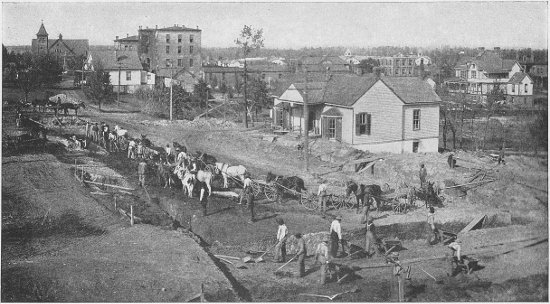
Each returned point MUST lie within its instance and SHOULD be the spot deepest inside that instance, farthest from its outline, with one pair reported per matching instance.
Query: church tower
(42, 40)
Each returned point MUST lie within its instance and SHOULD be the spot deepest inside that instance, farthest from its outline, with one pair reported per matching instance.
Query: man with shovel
(280, 248)
(302, 252)
(322, 256)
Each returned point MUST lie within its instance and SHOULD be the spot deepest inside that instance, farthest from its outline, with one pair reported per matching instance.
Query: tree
(100, 86)
(367, 65)
(259, 94)
(249, 40)
(201, 90)
(493, 102)
(539, 130)
(49, 69)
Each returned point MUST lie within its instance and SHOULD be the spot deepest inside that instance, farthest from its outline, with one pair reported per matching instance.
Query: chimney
(197, 27)
(127, 35)
(156, 27)
(116, 37)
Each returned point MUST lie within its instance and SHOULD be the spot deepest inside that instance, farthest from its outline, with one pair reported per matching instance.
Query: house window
(415, 146)
(180, 36)
(331, 128)
(416, 119)
(526, 88)
(363, 123)
(180, 62)
(167, 38)
(148, 77)
(191, 38)
(167, 49)
(128, 75)
(473, 74)
(167, 62)
(513, 88)
(191, 62)
(191, 49)
(179, 49)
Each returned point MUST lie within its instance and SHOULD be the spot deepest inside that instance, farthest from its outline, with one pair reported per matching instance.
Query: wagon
(311, 201)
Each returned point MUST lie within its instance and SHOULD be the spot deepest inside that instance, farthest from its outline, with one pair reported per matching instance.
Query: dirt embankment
(60, 244)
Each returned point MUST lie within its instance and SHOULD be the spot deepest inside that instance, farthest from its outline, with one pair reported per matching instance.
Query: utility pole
(118, 88)
(245, 100)
(82, 81)
(171, 80)
(306, 123)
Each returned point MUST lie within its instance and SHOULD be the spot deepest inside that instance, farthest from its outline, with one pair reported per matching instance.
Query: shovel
(286, 263)
(260, 259)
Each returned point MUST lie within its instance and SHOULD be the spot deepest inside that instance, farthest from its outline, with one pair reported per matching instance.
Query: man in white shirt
(280, 248)
(455, 255)
(336, 236)
(132, 149)
(322, 193)
(247, 188)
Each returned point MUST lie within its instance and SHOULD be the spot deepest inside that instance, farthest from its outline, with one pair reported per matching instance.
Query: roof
(488, 61)
(346, 89)
(175, 73)
(315, 91)
(179, 29)
(411, 89)
(127, 60)
(130, 38)
(312, 60)
(78, 46)
(517, 78)
(332, 112)
(42, 31)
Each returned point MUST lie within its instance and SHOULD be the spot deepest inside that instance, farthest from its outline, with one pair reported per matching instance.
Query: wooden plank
(363, 160)
(367, 166)
(473, 223)
(108, 185)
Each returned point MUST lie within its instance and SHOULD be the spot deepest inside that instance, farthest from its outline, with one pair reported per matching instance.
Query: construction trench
(225, 231)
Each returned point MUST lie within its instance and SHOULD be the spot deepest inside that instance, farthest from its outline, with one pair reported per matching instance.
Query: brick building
(165, 51)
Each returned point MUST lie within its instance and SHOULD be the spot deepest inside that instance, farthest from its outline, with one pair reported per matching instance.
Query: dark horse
(71, 106)
(428, 194)
(164, 174)
(364, 193)
(204, 160)
(284, 183)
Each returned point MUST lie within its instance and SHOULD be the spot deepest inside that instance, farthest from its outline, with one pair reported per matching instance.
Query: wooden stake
(115, 203)
(132, 215)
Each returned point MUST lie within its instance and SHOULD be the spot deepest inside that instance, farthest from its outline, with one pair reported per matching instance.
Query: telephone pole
(306, 129)
(171, 83)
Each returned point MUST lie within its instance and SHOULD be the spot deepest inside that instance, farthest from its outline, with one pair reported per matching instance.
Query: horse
(281, 183)
(203, 177)
(179, 146)
(205, 158)
(145, 141)
(71, 106)
(120, 132)
(164, 174)
(428, 194)
(364, 191)
(232, 171)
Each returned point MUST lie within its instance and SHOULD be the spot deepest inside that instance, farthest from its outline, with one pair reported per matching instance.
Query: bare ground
(512, 272)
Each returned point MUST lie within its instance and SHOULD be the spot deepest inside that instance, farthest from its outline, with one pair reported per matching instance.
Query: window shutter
(358, 124)
(276, 116)
(338, 134)
(324, 126)
(368, 123)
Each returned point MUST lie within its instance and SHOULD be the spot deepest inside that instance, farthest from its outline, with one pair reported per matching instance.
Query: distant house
(334, 64)
(182, 77)
(125, 70)
(482, 74)
(388, 114)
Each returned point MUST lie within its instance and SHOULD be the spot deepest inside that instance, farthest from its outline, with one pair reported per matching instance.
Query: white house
(482, 74)
(389, 114)
(124, 67)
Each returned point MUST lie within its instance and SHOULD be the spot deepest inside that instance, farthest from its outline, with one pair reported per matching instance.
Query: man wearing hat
(336, 236)
(247, 188)
(280, 248)
(302, 252)
(322, 256)
(422, 174)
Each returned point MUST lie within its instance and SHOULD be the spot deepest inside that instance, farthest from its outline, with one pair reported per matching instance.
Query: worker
(451, 161)
(250, 202)
(322, 256)
(422, 174)
(95, 132)
(501, 156)
(322, 193)
(139, 150)
(370, 236)
(247, 188)
(106, 132)
(204, 198)
(301, 254)
(456, 257)
(87, 129)
(132, 149)
(168, 151)
(336, 236)
(142, 166)
(433, 230)
(280, 248)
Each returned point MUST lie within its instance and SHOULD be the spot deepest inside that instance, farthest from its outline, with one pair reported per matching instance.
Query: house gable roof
(128, 60)
(75, 46)
(332, 112)
(518, 78)
(345, 90)
(411, 90)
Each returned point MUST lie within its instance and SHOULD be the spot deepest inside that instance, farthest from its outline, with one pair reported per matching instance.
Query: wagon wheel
(347, 202)
(396, 208)
(270, 192)
(256, 190)
(334, 201)
(309, 201)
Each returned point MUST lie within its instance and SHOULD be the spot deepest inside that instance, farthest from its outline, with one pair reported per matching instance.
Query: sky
(292, 24)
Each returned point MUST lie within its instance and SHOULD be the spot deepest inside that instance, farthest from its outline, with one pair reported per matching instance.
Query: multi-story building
(402, 65)
(130, 43)
(64, 50)
(486, 72)
(166, 51)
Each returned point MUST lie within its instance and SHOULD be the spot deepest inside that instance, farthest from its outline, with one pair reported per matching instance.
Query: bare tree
(249, 40)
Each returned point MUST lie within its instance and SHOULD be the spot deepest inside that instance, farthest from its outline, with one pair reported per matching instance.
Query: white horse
(232, 171)
(203, 177)
(188, 182)
(120, 132)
